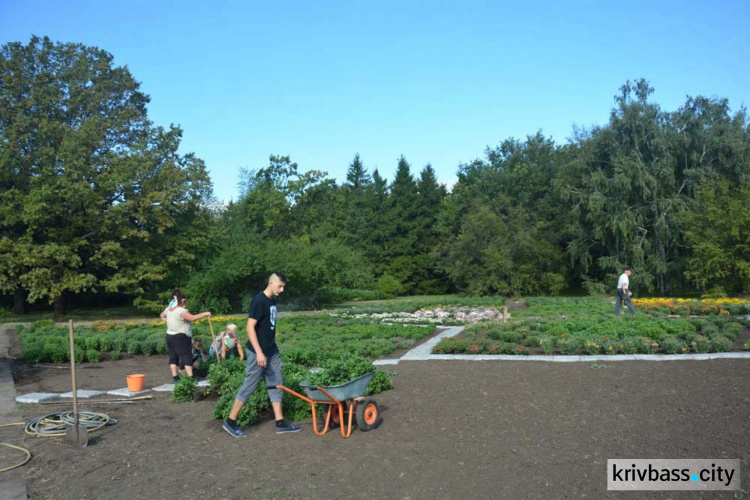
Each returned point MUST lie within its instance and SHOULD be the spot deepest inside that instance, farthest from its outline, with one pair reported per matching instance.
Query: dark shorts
(180, 349)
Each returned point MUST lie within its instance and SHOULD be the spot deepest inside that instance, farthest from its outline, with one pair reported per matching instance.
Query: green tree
(92, 194)
(718, 233)
(427, 277)
(400, 224)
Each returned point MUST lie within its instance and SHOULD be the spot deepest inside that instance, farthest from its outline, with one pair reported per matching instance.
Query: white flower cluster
(432, 316)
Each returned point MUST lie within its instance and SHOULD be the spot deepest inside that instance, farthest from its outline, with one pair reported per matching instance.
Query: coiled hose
(14, 447)
(55, 424)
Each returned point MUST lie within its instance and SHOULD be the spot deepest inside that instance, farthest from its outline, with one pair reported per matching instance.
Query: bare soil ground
(451, 429)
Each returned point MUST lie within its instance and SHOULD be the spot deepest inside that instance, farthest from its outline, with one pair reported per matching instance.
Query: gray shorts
(271, 376)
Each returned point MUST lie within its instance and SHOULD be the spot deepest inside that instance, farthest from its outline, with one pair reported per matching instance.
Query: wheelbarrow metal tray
(348, 390)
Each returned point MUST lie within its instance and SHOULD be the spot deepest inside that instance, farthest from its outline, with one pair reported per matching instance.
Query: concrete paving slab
(379, 362)
(203, 383)
(37, 397)
(81, 393)
(164, 388)
(126, 393)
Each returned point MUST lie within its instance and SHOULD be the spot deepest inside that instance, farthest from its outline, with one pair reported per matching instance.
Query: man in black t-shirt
(263, 358)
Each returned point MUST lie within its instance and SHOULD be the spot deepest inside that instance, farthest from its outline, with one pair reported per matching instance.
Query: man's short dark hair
(627, 269)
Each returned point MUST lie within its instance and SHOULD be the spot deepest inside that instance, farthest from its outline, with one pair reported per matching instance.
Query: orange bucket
(135, 382)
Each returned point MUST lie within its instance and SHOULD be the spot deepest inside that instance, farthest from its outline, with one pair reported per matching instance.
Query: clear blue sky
(437, 82)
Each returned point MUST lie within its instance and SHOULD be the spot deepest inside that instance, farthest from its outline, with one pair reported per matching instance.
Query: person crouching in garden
(263, 358)
(231, 346)
(179, 334)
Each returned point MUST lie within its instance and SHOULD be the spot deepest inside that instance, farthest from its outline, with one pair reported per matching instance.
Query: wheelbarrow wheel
(335, 421)
(368, 415)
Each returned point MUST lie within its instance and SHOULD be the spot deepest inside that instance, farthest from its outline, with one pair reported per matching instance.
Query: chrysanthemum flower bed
(694, 307)
(435, 316)
(598, 335)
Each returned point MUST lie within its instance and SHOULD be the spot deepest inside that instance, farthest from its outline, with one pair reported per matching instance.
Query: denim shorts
(271, 376)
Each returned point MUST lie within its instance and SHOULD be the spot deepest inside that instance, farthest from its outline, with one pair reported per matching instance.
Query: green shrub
(184, 390)
(673, 345)
(133, 347)
(630, 345)
(611, 347)
(547, 343)
(93, 356)
(720, 344)
(532, 341)
(592, 346)
(33, 353)
(149, 347)
(57, 354)
(567, 344)
(700, 344)
(647, 346)
(105, 343)
(114, 354)
(511, 336)
(518, 350)
(91, 342)
(732, 330)
(388, 286)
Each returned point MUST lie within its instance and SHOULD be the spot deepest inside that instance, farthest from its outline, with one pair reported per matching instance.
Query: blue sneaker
(234, 431)
(288, 428)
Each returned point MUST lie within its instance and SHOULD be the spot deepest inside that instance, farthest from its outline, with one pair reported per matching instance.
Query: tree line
(97, 207)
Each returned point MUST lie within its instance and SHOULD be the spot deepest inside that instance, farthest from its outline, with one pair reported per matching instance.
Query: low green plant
(592, 346)
(57, 354)
(630, 345)
(567, 344)
(647, 346)
(33, 353)
(532, 341)
(133, 347)
(673, 345)
(547, 343)
(700, 344)
(93, 356)
(611, 347)
(184, 390)
(114, 354)
(720, 344)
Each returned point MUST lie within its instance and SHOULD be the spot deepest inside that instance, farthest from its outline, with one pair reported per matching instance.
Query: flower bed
(598, 335)
(436, 316)
(693, 307)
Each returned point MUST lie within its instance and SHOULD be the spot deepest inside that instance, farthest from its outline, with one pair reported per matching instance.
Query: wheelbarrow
(341, 402)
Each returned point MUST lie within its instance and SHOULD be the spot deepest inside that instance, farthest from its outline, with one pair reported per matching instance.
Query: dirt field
(451, 429)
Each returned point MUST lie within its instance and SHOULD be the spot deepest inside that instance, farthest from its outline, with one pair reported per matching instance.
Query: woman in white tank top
(179, 334)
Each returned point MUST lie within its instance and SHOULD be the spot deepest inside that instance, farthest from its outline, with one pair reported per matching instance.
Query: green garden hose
(56, 423)
(14, 447)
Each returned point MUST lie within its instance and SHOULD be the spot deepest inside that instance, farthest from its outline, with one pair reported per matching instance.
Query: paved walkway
(13, 482)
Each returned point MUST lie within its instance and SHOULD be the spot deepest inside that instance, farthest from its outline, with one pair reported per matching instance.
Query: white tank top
(175, 323)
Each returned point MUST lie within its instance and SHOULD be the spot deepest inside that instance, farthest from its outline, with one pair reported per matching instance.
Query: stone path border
(13, 482)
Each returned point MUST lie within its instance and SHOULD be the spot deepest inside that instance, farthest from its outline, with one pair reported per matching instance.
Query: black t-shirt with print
(263, 310)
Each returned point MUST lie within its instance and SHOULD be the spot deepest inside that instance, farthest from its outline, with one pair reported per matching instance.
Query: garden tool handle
(73, 371)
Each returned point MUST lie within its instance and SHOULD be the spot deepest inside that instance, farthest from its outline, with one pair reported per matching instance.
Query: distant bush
(389, 286)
